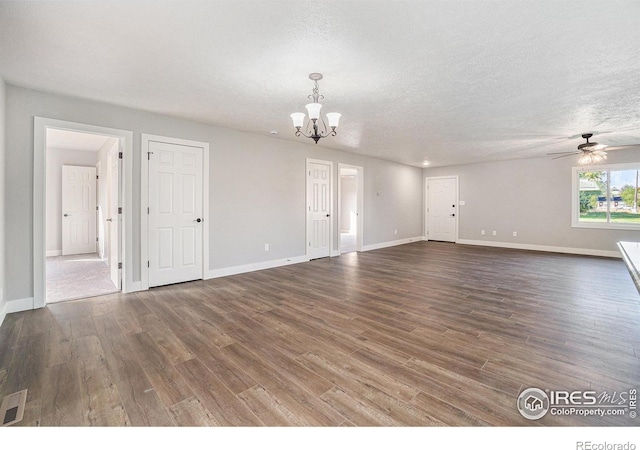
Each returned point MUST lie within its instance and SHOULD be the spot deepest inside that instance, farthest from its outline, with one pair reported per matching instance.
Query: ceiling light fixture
(425, 163)
(592, 157)
(316, 128)
(592, 152)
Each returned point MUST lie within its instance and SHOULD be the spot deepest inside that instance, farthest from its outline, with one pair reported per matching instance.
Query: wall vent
(12, 409)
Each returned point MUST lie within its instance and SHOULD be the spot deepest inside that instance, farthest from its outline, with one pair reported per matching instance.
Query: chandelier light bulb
(314, 110)
(298, 119)
(334, 119)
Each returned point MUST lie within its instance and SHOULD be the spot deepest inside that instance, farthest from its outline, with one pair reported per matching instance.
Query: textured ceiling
(451, 82)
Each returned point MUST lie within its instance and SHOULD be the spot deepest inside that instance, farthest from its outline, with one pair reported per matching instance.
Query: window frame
(575, 196)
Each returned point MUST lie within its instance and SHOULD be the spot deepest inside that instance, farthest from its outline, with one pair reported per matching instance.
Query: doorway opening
(350, 217)
(114, 237)
(82, 224)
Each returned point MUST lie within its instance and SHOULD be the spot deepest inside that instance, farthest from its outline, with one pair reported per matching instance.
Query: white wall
(56, 158)
(531, 197)
(2, 199)
(256, 181)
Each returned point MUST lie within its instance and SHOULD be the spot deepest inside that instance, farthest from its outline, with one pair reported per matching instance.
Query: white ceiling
(449, 81)
(72, 140)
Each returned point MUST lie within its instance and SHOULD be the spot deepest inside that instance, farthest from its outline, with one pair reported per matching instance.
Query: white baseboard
(23, 304)
(366, 248)
(54, 252)
(543, 248)
(235, 270)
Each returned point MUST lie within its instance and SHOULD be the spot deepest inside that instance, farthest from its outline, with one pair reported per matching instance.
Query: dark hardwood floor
(423, 334)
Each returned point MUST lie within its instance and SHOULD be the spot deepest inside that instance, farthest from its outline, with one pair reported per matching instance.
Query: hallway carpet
(77, 276)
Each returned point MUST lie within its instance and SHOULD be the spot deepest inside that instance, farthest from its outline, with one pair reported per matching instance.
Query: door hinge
(119, 265)
(149, 155)
(97, 240)
(120, 155)
(148, 264)
(97, 208)
(148, 210)
(97, 177)
(119, 209)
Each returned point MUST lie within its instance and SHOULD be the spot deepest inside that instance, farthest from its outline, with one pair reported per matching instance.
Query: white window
(606, 197)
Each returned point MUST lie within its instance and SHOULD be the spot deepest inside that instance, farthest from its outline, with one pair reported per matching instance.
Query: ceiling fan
(591, 152)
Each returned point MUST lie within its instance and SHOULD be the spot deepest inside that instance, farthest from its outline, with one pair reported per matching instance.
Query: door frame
(125, 137)
(308, 161)
(426, 204)
(359, 206)
(146, 139)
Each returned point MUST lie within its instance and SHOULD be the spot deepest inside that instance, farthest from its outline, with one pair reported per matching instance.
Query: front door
(319, 188)
(175, 213)
(78, 210)
(441, 209)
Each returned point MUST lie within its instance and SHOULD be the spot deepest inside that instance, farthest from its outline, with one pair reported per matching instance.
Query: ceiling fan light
(314, 110)
(585, 159)
(298, 119)
(334, 119)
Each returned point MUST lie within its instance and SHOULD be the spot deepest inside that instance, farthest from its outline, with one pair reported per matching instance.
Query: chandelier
(316, 128)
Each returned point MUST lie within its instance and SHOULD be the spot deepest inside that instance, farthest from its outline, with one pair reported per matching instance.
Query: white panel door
(175, 213)
(114, 220)
(318, 210)
(442, 214)
(78, 210)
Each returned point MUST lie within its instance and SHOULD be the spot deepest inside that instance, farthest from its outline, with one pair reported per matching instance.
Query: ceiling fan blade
(564, 156)
(573, 152)
(617, 147)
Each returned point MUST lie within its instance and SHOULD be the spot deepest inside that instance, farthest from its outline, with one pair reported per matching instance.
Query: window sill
(607, 226)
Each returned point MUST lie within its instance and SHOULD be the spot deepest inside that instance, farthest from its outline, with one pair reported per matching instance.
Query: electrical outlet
(482, 232)
(515, 233)
(494, 232)
(266, 247)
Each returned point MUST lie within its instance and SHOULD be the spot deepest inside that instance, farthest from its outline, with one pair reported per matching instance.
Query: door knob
(452, 215)
(328, 215)
(66, 215)
(198, 220)
(109, 220)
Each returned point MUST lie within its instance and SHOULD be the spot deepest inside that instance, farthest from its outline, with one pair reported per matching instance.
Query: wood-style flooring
(423, 334)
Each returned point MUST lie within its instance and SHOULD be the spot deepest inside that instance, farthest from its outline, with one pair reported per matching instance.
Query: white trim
(332, 251)
(575, 197)
(23, 304)
(426, 205)
(54, 253)
(217, 273)
(544, 248)
(360, 205)
(144, 201)
(125, 137)
(367, 248)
